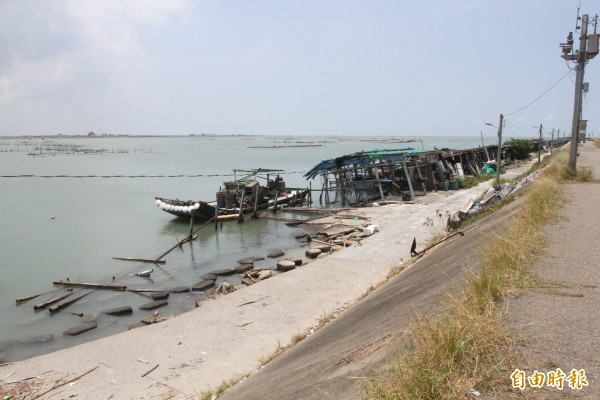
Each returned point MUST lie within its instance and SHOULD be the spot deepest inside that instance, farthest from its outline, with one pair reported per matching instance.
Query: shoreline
(226, 338)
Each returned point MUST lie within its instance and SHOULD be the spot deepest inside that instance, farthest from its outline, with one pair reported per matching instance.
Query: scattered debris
(146, 273)
(222, 288)
(150, 370)
(156, 318)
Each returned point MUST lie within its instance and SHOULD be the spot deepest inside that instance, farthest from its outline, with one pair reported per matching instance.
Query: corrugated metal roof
(362, 158)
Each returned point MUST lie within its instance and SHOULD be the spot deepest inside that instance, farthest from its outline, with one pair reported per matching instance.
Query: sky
(289, 67)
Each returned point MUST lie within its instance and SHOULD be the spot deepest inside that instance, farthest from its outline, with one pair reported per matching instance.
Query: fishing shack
(371, 175)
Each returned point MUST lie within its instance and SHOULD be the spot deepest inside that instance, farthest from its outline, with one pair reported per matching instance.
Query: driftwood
(150, 370)
(51, 301)
(227, 217)
(143, 290)
(188, 236)
(67, 303)
(91, 285)
(145, 260)
(27, 298)
(327, 243)
(57, 384)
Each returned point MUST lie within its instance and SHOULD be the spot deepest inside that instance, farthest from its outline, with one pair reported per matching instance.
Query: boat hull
(202, 210)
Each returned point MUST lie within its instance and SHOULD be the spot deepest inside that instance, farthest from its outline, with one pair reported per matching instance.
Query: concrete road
(330, 363)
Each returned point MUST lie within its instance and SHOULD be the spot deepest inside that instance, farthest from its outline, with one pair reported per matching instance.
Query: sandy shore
(226, 338)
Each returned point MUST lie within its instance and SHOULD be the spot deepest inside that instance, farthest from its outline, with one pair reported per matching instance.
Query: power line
(540, 96)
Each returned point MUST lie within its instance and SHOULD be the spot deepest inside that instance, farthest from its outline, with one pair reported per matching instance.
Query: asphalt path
(331, 363)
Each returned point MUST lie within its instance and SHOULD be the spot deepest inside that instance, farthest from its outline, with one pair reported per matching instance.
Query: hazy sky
(293, 67)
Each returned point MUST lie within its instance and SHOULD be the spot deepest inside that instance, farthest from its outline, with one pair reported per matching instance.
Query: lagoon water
(67, 215)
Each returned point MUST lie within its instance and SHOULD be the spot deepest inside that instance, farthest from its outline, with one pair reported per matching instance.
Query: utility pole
(580, 58)
(552, 141)
(499, 156)
(580, 69)
(540, 145)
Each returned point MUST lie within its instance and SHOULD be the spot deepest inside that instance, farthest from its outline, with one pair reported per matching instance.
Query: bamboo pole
(178, 244)
(67, 303)
(91, 285)
(133, 290)
(192, 222)
(145, 260)
(51, 301)
(20, 300)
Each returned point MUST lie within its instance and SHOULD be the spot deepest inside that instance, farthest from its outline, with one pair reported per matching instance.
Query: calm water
(58, 227)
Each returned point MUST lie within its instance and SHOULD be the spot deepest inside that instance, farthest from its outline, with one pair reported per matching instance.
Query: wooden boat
(240, 196)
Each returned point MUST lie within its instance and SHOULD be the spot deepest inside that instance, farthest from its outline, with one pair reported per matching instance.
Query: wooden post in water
(412, 193)
(254, 214)
(342, 187)
(310, 194)
(241, 215)
(275, 202)
(192, 222)
(321, 194)
(379, 183)
(216, 217)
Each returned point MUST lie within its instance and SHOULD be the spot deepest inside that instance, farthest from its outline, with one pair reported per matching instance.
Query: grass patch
(472, 181)
(562, 172)
(220, 390)
(470, 345)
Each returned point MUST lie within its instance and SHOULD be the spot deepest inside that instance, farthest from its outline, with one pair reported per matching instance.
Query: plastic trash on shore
(370, 229)
(474, 210)
(507, 188)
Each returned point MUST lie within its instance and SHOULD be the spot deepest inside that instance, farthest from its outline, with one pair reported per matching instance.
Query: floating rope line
(128, 176)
